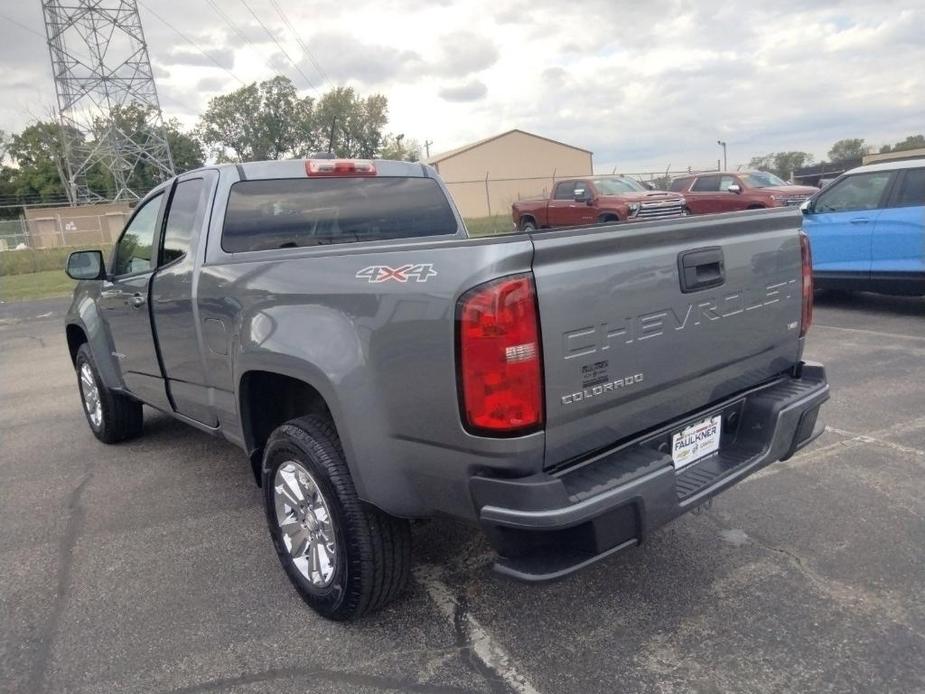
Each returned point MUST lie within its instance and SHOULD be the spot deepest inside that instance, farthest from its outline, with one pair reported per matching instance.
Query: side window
(727, 181)
(581, 188)
(911, 189)
(187, 209)
(679, 185)
(136, 245)
(858, 192)
(706, 184)
(565, 190)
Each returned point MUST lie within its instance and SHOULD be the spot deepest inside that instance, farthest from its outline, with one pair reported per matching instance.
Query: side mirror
(85, 265)
(735, 188)
(582, 195)
(807, 206)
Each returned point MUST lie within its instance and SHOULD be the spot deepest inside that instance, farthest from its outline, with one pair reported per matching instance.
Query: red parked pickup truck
(741, 190)
(596, 200)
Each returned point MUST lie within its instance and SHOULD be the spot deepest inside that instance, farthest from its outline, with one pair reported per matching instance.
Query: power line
(22, 26)
(191, 42)
(225, 18)
(279, 45)
(305, 49)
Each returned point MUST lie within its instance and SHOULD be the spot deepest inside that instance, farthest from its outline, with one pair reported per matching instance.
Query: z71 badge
(376, 274)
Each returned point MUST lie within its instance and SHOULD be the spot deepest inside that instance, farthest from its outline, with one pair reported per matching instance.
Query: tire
(608, 219)
(112, 417)
(360, 556)
(528, 225)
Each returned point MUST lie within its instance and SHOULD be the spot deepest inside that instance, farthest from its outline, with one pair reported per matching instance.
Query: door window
(911, 189)
(858, 192)
(186, 212)
(136, 245)
(565, 191)
(726, 181)
(706, 184)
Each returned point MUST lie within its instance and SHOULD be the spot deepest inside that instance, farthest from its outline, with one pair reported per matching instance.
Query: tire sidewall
(528, 226)
(329, 599)
(84, 357)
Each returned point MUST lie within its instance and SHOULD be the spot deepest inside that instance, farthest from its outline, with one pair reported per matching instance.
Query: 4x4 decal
(376, 274)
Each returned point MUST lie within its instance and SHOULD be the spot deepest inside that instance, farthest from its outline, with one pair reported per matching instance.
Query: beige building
(485, 177)
(901, 155)
(85, 225)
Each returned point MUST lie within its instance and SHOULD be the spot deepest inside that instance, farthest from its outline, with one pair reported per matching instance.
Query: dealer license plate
(695, 442)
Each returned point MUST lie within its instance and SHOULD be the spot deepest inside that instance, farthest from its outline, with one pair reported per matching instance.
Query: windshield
(617, 186)
(762, 179)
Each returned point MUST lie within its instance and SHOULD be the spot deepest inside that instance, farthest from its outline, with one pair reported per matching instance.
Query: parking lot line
(878, 333)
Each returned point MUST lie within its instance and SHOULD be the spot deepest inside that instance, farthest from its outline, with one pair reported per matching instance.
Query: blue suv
(867, 229)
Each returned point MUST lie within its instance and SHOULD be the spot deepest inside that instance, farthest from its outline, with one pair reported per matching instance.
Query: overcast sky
(642, 84)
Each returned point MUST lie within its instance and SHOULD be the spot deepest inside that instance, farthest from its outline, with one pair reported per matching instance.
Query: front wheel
(344, 557)
(528, 225)
(112, 417)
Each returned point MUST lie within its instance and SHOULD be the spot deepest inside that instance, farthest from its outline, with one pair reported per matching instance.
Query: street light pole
(723, 145)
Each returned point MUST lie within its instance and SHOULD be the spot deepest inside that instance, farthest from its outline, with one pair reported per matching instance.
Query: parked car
(741, 190)
(868, 229)
(568, 391)
(596, 200)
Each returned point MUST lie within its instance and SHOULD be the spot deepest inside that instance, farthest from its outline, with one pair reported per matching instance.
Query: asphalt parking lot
(147, 566)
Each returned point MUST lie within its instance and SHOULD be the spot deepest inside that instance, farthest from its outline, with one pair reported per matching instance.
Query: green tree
(255, 122)
(350, 125)
(38, 153)
(847, 149)
(400, 148)
(781, 164)
(911, 142)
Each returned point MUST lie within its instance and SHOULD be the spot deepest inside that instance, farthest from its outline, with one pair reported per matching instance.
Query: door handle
(701, 268)
(860, 220)
(138, 300)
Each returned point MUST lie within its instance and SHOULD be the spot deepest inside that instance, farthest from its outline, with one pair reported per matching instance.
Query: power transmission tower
(107, 101)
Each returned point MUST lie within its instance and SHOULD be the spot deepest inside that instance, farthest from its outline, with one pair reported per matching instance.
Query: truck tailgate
(627, 348)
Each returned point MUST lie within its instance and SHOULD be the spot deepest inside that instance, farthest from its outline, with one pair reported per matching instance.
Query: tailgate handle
(701, 268)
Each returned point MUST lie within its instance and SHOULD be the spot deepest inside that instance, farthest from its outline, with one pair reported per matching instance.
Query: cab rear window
(293, 213)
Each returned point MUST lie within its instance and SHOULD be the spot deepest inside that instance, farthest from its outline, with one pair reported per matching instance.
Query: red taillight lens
(500, 369)
(806, 319)
(339, 167)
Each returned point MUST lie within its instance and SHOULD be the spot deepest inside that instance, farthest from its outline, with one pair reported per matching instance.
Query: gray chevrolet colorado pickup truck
(568, 391)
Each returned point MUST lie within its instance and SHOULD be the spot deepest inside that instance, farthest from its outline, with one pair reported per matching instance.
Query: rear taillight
(339, 167)
(499, 360)
(806, 319)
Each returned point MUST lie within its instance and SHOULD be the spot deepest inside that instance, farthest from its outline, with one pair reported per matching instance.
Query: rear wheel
(112, 417)
(344, 557)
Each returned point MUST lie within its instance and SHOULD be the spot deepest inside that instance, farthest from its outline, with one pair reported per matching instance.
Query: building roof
(895, 155)
(478, 143)
(889, 166)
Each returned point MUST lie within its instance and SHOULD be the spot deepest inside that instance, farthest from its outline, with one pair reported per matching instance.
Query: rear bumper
(549, 525)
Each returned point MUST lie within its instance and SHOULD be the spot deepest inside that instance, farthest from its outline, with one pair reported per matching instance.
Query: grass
(35, 285)
(27, 260)
(488, 226)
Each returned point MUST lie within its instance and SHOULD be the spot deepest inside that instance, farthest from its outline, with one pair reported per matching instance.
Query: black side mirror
(85, 265)
(808, 206)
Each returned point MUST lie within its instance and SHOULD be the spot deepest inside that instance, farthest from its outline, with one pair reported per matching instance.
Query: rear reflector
(806, 319)
(339, 167)
(498, 358)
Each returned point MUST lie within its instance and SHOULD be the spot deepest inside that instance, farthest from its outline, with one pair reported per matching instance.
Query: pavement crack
(485, 655)
(40, 666)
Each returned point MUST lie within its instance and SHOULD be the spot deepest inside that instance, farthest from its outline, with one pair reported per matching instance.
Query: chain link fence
(62, 227)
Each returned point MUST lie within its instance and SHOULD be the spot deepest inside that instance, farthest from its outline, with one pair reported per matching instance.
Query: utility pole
(723, 145)
(103, 78)
(427, 144)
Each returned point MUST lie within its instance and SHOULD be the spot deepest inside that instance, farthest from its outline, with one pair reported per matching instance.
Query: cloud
(188, 56)
(465, 52)
(347, 58)
(471, 91)
(212, 84)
